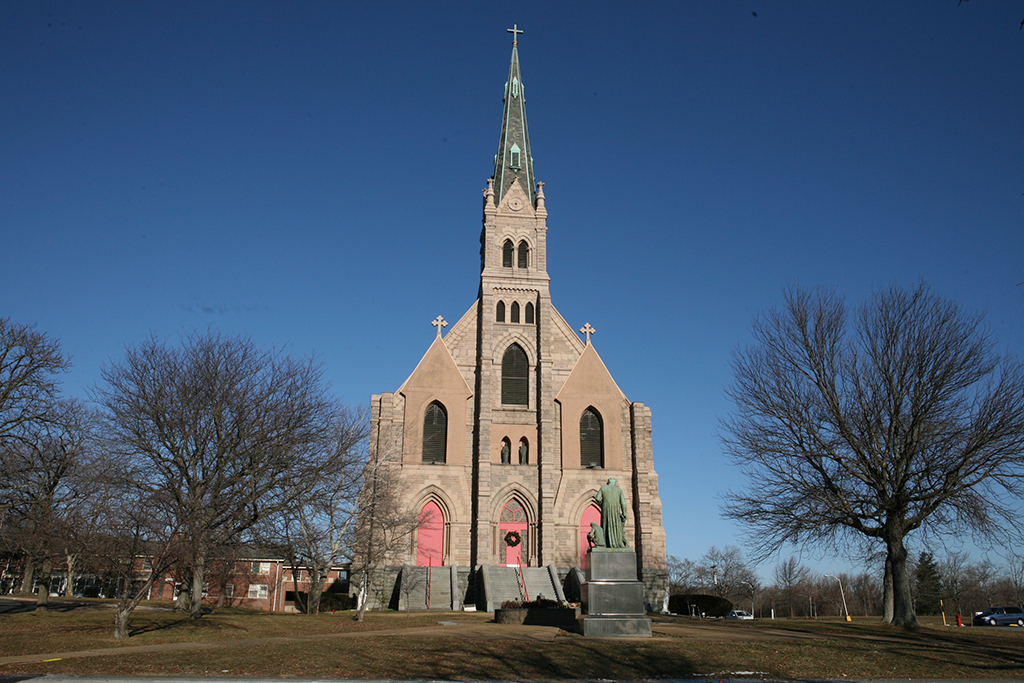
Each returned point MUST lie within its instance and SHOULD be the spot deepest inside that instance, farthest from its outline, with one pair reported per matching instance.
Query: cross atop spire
(514, 31)
(513, 163)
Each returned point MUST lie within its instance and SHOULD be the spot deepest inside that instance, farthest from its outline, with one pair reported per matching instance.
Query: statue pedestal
(613, 599)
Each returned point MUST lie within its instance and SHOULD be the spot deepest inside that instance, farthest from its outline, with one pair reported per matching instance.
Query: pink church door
(430, 536)
(591, 514)
(512, 527)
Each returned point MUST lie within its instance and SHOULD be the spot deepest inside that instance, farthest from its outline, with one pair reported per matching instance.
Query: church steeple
(513, 162)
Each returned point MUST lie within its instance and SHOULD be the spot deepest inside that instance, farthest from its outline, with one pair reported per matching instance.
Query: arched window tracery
(435, 434)
(591, 439)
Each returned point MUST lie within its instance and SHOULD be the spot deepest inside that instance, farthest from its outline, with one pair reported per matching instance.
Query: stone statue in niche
(524, 452)
(506, 452)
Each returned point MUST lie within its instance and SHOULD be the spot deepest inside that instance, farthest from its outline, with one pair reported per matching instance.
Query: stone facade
(469, 380)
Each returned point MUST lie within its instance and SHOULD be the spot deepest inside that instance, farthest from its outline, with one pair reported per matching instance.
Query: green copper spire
(513, 163)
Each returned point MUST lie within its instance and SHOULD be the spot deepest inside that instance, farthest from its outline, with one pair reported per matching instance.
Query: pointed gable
(590, 385)
(436, 378)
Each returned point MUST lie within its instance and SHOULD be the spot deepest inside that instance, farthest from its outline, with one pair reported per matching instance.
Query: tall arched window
(529, 313)
(524, 254)
(499, 314)
(506, 254)
(515, 372)
(591, 439)
(514, 312)
(435, 434)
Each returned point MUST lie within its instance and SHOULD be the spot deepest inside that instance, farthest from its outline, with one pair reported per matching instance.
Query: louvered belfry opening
(529, 313)
(500, 312)
(506, 254)
(435, 434)
(524, 255)
(591, 439)
(515, 372)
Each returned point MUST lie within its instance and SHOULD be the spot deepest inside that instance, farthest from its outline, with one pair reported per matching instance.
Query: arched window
(435, 433)
(529, 313)
(524, 254)
(591, 439)
(506, 254)
(499, 314)
(514, 313)
(515, 371)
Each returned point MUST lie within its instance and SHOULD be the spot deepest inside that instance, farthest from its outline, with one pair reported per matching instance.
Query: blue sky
(310, 175)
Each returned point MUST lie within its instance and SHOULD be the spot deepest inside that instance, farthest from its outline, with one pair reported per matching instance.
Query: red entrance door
(430, 536)
(512, 523)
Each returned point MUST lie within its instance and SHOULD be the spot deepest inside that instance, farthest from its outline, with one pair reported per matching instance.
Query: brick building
(511, 422)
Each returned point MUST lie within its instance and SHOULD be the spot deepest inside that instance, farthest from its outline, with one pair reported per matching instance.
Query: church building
(511, 423)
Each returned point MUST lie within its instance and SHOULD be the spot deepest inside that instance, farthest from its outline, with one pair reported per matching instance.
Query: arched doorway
(430, 536)
(513, 523)
(591, 514)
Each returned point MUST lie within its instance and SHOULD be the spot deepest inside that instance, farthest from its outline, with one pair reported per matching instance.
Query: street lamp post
(751, 597)
(842, 594)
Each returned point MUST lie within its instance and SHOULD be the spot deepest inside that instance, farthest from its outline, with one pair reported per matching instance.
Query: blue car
(999, 616)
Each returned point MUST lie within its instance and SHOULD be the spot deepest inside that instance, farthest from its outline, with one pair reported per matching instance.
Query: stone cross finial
(587, 330)
(439, 322)
(514, 31)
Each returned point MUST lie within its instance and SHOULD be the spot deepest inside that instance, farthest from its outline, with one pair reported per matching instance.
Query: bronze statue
(613, 514)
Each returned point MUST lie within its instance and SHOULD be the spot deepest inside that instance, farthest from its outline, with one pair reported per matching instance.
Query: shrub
(337, 601)
(708, 605)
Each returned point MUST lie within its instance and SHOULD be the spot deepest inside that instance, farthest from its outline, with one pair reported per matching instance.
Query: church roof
(513, 162)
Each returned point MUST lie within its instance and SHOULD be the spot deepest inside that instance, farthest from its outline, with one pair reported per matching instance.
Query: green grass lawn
(804, 649)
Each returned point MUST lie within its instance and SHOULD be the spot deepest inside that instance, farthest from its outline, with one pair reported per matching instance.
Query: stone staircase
(539, 583)
(415, 584)
(502, 583)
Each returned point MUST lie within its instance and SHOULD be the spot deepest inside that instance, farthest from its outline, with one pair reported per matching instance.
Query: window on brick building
(259, 591)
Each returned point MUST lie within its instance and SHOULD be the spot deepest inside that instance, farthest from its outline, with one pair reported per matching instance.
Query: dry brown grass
(783, 648)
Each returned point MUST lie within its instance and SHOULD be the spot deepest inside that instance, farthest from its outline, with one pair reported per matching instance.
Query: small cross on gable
(587, 330)
(439, 322)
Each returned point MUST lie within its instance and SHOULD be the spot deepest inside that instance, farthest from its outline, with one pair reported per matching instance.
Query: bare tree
(683, 575)
(382, 526)
(29, 364)
(217, 426)
(790, 575)
(317, 528)
(54, 460)
(907, 421)
(728, 570)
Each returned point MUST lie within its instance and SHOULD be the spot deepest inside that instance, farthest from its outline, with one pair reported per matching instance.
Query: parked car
(739, 614)
(999, 616)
